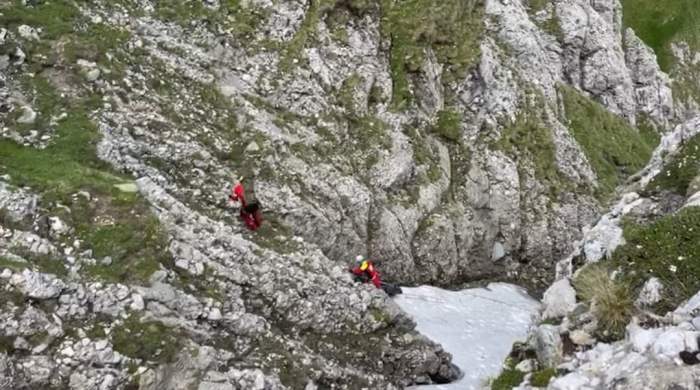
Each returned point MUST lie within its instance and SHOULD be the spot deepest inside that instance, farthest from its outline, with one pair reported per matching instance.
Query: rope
(427, 299)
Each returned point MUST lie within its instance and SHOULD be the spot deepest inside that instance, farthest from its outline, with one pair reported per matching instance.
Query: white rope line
(427, 299)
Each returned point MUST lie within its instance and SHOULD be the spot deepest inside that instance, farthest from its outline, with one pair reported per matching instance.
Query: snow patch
(477, 326)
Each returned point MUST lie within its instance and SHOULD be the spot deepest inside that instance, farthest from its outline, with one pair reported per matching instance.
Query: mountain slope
(451, 142)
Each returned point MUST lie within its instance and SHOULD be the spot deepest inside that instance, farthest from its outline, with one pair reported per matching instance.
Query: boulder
(547, 343)
(651, 292)
(559, 299)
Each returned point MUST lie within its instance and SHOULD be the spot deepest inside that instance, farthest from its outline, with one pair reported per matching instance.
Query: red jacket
(237, 194)
(370, 274)
(252, 219)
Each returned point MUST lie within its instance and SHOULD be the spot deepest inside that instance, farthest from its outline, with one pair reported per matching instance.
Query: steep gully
(478, 326)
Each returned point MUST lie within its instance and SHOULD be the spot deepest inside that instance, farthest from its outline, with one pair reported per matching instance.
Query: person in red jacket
(366, 271)
(250, 212)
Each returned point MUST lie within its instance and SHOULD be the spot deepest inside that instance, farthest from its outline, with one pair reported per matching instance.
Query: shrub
(610, 300)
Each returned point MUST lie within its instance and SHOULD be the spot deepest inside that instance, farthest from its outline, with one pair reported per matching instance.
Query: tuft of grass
(614, 148)
(610, 300)
(452, 28)
(150, 341)
(448, 125)
(542, 377)
(508, 378)
(681, 170)
(661, 23)
(668, 249)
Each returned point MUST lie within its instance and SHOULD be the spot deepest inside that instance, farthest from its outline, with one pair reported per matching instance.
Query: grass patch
(54, 17)
(448, 125)
(137, 249)
(668, 249)
(614, 149)
(541, 378)
(238, 19)
(368, 134)
(610, 300)
(508, 378)
(125, 230)
(660, 23)
(68, 163)
(681, 170)
(150, 341)
(686, 83)
(451, 28)
(14, 265)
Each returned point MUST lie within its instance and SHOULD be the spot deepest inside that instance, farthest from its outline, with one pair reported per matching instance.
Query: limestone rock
(559, 299)
(548, 345)
(38, 285)
(651, 292)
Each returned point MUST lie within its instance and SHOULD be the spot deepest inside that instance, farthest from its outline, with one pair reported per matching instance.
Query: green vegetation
(347, 92)
(61, 20)
(54, 17)
(681, 170)
(613, 147)
(151, 341)
(610, 300)
(7, 344)
(137, 249)
(686, 83)
(239, 20)
(509, 377)
(13, 264)
(535, 6)
(541, 378)
(527, 139)
(450, 27)
(448, 125)
(69, 165)
(368, 134)
(660, 23)
(668, 249)
(550, 25)
(424, 154)
(306, 31)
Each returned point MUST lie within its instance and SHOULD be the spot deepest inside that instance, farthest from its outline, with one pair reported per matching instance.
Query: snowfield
(477, 326)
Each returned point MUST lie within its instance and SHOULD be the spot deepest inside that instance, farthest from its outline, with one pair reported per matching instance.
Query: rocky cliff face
(452, 142)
